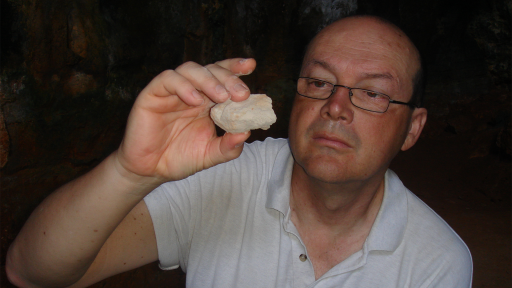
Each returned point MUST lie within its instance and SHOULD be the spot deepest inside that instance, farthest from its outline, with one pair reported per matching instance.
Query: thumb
(230, 146)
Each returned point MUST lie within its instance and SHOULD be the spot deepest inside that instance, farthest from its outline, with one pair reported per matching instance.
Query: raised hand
(170, 134)
(83, 232)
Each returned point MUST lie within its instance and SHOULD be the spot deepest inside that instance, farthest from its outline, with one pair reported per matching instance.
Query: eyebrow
(329, 67)
(318, 62)
(378, 76)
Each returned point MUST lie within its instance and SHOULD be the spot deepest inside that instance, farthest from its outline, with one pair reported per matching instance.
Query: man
(319, 210)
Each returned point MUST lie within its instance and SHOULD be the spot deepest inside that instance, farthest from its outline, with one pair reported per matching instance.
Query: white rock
(254, 113)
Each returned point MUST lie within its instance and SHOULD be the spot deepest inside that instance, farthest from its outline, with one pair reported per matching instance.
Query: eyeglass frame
(350, 94)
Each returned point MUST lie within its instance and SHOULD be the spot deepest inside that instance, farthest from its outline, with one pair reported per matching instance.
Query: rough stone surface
(236, 117)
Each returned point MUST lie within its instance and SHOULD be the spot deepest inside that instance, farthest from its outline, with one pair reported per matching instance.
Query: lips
(331, 141)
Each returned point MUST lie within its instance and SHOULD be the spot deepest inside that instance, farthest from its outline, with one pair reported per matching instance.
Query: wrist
(139, 184)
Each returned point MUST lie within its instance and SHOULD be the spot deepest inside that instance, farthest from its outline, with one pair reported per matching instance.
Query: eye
(319, 84)
(372, 94)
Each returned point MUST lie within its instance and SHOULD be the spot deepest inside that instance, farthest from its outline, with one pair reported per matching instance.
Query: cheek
(302, 106)
(384, 137)
(302, 114)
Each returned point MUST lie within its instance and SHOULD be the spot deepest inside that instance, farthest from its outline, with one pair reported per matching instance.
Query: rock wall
(70, 71)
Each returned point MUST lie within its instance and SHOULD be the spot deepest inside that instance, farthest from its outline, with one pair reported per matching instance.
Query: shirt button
(303, 257)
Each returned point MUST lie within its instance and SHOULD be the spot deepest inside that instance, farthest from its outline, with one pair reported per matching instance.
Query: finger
(239, 66)
(228, 147)
(170, 83)
(235, 86)
(204, 81)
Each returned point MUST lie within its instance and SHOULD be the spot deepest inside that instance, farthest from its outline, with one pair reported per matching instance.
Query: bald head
(366, 36)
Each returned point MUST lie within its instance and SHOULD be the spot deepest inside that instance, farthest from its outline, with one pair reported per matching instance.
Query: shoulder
(267, 149)
(256, 161)
(428, 249)
(427, 226)
(445, 258)
(423, 224)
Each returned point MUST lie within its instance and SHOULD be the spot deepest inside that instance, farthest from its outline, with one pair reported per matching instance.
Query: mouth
(331, 141)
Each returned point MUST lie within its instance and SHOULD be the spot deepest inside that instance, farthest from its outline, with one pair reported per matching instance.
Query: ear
(418, 120)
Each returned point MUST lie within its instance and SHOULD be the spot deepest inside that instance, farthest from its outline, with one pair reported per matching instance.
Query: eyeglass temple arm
(411, 105)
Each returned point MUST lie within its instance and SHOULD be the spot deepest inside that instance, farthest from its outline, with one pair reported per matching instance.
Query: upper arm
(131, 245)
(456, 271)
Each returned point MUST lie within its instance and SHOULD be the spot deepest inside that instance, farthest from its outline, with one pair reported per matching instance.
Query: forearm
(62, 237)
(169, 133)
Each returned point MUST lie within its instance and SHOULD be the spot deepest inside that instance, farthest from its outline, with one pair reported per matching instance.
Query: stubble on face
(336, 163)
(325, 144)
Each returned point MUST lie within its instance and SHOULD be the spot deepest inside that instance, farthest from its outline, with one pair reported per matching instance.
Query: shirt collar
(278, 194)
(389, 226)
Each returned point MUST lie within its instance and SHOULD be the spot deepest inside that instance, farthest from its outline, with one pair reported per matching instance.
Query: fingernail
(197, 96)
(243, 61)
(239, 144)
(222, 91)
(240, 88)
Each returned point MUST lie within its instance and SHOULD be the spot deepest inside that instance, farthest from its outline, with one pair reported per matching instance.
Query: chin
(325, 169)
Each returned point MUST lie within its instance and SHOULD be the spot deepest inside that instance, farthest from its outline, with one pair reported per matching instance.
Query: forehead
(365, 47)
(367, 72)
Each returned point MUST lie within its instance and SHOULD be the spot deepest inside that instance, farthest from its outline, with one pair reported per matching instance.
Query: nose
(338, 106)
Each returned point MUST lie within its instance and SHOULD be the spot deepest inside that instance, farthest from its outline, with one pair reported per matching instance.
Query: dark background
(71, 69)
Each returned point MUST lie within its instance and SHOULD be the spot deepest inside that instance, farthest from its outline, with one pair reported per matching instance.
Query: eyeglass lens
(361, 98)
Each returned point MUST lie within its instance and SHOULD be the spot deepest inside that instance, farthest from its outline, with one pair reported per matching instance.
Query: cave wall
(70, 71)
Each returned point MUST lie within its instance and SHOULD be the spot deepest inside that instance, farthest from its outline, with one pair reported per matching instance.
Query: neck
(341, 208)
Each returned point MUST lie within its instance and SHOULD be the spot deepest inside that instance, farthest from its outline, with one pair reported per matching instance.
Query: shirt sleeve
(455, 271)
(169, 207)
(441, 258)
(180, 209)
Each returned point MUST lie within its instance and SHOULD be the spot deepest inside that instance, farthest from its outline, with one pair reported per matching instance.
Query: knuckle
(181, 81)
(234, 78)
(174, 78)
(211, 66)
(187, 65)
(225, 62)
(210, 79)
(167, 73)
(210, 84)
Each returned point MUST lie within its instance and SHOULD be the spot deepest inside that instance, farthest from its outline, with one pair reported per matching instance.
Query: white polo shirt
(229, 226)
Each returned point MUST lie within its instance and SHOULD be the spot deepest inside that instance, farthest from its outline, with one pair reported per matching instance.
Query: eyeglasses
(361, 98)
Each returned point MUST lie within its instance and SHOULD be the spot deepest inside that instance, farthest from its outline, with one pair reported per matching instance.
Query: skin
(97, 225)
(342, 152)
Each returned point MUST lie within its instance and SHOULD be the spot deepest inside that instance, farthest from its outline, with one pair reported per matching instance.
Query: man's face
(334, 141)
